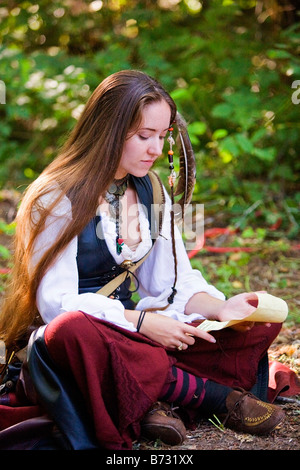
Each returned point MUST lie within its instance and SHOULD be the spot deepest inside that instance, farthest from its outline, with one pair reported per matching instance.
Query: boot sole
(167, 434)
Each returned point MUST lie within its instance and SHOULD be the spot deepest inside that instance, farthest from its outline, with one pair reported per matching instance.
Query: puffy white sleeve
(58, 290)
(156, 276)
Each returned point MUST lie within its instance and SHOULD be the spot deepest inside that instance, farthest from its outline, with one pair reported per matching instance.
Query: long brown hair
(83, 170)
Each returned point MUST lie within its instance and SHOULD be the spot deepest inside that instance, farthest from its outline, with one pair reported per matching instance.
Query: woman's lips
(148, 162)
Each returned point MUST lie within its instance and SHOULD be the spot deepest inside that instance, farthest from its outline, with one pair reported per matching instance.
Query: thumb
(252, 299)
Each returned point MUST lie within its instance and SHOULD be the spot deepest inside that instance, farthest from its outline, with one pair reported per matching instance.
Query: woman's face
(143, 147)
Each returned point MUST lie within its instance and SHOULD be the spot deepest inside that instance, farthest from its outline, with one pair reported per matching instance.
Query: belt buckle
(126, 264)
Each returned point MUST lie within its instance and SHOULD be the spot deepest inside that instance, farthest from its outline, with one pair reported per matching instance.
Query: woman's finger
(194, 331)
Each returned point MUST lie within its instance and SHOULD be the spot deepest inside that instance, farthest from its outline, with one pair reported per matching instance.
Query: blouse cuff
(111, 310)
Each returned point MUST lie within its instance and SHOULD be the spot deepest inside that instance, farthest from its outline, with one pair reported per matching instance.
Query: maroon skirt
(121, 373)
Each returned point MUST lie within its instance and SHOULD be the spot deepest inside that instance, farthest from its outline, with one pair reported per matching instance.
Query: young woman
(99, 359)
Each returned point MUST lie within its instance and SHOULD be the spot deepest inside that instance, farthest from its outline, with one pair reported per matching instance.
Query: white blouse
(58, 290)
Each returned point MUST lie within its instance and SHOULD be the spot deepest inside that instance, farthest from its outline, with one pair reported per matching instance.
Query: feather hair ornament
(185, 186)
(187, 165)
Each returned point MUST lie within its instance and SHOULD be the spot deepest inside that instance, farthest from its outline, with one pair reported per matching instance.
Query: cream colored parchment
(269, 309)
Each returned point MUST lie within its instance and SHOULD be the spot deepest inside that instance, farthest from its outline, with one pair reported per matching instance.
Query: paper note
(270, 309)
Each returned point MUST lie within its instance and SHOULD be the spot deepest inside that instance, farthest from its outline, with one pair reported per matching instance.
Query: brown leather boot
(246, 413)
(162, 423)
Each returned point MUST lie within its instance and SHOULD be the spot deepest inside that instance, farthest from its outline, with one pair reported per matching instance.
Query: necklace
(115, 191)
(118, 187)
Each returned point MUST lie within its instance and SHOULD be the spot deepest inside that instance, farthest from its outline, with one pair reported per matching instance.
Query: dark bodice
(96, 265)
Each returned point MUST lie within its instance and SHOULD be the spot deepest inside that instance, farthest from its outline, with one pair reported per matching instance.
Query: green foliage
(230, 72)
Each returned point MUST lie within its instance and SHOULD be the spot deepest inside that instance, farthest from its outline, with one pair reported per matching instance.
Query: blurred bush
(230, 66)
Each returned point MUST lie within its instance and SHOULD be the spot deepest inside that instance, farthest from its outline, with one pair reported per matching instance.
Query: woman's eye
(143, 137)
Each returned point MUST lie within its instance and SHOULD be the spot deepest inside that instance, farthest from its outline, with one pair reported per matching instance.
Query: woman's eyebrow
(150, 129)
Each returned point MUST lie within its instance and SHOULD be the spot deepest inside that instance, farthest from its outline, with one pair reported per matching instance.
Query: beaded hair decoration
(186, 182)
(114, 193)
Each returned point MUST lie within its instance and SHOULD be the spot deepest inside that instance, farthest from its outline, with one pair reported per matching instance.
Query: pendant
(119, 244)
(118, 187)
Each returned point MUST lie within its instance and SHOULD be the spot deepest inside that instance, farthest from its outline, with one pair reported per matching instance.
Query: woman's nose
(155, 148)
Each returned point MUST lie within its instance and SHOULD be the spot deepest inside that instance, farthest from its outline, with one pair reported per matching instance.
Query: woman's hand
(238, 307)
(171, 333)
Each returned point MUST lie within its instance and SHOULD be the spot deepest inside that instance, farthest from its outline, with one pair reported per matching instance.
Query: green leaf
(258, 135)
(244, 143)
(8, 229)
(222, 110)
(4, 252)
(197, 128)
(225, 155)
(278, 54)
(229, 144)
(219, 134)
(268, 154)
(181, 94)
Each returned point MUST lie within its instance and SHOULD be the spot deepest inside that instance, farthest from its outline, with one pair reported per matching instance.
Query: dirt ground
(207, 437)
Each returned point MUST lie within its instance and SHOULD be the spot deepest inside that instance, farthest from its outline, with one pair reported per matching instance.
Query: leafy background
(230, 66)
